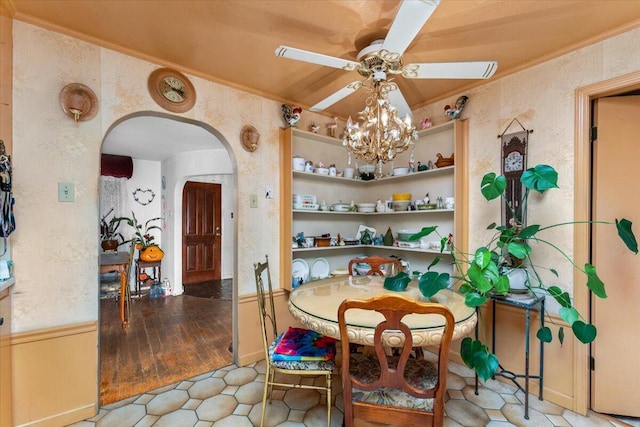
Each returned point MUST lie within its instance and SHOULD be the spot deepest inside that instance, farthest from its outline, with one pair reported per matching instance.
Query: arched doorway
(167, 151)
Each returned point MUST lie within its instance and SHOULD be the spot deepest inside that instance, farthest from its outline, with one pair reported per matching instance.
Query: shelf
(354, 181)
(380, 247)
(416, 212)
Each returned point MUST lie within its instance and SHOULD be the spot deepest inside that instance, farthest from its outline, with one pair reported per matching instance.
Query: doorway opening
(177, 336)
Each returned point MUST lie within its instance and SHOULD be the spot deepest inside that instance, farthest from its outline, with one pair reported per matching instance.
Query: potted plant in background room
(143, 239)
(488, 269)
(110, 237)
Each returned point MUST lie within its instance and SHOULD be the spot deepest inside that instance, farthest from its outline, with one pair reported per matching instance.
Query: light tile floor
(232, 396)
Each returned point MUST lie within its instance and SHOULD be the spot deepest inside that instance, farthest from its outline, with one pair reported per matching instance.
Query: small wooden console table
(156, 269)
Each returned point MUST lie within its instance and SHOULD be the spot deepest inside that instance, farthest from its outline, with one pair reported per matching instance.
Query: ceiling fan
(384, 57)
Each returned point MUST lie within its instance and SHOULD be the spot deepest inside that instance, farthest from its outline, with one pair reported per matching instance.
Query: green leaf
(477, 279)
(562, 297)
(593, 281)
(544, 334)
(482, 257)
(397, 283)
(586, 333)
(422, 233)
(486, 364)
(626, 234)
(493, 186)
(569, 314)
(502, 285)
(561, 335)
(540, 178)
(466, 351)
(555, 273)
(434, 262)
(432, 282)
(519, 249)
(474, 299)
(491, 226)
(529, 231)
(465, 288)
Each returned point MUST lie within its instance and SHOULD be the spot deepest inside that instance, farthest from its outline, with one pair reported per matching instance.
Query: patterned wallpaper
(54, 247)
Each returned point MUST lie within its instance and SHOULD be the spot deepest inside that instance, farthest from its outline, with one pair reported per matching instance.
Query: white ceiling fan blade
(399, 103)
(332, 99)
(411, 17)
(451, 70)
(315, 58)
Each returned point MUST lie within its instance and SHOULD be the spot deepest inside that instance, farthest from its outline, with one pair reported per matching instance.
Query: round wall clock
(171, 90)
(514, 163)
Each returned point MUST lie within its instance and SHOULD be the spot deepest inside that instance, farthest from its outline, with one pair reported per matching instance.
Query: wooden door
(201, 232)
(616, 194)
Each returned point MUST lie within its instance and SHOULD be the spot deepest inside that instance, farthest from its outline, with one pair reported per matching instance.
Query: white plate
(320, 269)
(300, 269)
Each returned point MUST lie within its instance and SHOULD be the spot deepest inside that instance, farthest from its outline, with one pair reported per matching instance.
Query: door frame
(582, 208)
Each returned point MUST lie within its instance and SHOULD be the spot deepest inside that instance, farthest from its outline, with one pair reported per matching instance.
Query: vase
(387, 240)
(517, 279)
(151, 254)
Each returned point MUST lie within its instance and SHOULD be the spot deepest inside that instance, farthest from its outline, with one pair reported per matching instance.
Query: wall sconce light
(78, 101)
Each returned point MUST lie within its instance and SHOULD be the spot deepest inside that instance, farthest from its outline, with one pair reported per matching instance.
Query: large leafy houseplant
(482, 272)
(142, 237)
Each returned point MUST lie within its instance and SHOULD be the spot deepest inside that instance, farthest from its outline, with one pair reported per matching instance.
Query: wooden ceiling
(233, 42)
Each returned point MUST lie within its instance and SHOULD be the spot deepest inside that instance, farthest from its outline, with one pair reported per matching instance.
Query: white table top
(315, 305)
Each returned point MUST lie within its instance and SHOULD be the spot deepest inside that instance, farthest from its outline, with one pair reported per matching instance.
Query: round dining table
(315, 305)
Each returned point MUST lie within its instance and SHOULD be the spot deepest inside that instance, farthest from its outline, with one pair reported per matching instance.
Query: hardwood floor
(167, 340)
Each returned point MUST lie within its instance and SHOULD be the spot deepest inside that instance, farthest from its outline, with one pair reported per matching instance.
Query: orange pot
(151, 254)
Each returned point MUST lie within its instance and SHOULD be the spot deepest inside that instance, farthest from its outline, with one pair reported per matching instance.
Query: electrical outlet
(66, 192)
(253, 200)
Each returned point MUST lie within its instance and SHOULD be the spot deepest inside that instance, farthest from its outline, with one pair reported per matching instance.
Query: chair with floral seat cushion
(296, 352)
(396, 390)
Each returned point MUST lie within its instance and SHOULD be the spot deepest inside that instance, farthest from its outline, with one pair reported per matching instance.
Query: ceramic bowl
(400, 205)
(401, 196)
(400, 171)
(322, 171)
(403, 235)
(366, 207)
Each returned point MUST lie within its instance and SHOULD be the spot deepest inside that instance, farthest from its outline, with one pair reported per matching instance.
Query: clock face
(513, 162)
(171, 90)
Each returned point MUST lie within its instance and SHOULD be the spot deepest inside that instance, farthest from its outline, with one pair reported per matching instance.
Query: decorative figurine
(333, 126)
(454, 113)
(426, 123)
(380, 206)
(422, 167)
(291, 114)
(314, 127)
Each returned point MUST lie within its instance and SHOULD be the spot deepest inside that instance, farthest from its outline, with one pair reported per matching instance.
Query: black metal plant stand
(528, 302)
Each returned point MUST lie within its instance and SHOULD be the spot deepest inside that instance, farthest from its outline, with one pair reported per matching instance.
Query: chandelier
(380, 134)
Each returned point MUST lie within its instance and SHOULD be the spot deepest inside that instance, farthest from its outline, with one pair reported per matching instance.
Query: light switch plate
(268, 191)
(66, 192)
(253, 200)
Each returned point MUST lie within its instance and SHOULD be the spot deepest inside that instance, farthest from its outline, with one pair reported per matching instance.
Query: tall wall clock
(514, 163)
(171, 90)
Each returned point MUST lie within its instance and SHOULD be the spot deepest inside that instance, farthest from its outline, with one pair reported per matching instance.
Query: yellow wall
(56, 373)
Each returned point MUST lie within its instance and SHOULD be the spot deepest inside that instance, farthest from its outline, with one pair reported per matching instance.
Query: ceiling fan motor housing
(373, 60)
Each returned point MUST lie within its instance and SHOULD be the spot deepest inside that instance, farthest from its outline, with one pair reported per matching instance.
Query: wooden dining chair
(375, 262)
(396, 390)
(296, 352)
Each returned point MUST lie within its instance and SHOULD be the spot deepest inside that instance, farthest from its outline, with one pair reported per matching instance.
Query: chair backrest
(265, 303)
(375, 262)
(392, 375)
